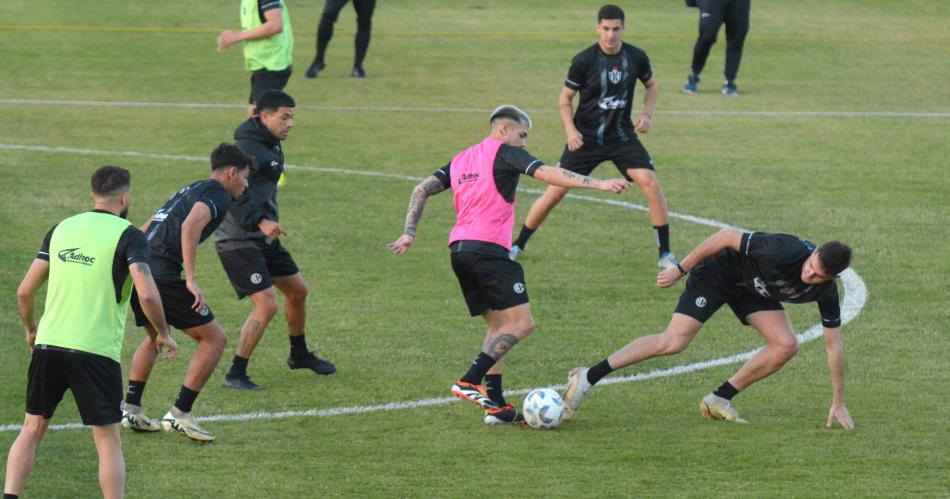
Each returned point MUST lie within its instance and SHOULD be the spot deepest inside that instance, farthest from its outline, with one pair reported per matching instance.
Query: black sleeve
(133, 247)
(218, 201)
(518, 160)
(444, 175)
(249, 210)
(265, 5)
(43, 253)
(828, 306)
(577, 74)
(643, 64)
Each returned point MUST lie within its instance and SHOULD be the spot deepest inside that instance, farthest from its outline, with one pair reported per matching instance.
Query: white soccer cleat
(515, 252)
(186, 425)
(134, 418)
(716, 407)
(577, 388)
(667, 260)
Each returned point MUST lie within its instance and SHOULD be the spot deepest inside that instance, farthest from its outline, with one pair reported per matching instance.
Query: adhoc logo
(468, 177)
(74, 255)
(614, 75)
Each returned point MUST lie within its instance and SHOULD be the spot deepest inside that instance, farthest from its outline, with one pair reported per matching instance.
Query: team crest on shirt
(614, 75)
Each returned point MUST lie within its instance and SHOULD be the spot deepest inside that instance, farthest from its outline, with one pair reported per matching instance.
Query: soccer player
(174, 232)
(601, 130)
(752, 272)
(364, 24)
(78, 343)
(483, 179)
(712, 15)
(248, 243)
(268, 45)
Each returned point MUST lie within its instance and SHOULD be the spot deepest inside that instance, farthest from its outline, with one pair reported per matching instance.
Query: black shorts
(489, 280)
(251, 269)
(263, 80)
(96, 382)
(624, 155)
(707, 289)
(176, 302)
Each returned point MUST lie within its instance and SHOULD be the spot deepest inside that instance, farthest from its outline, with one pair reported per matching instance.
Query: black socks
(493, 386)
(298, 346)
(524, 236)
(134, 394)
(480, 366)
(726, 391)
(186, 399)
(594, 374)
(662, 234)
(238, 367)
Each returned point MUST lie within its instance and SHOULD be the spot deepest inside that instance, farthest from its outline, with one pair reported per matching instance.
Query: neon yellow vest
(274, 53)
(81, 309)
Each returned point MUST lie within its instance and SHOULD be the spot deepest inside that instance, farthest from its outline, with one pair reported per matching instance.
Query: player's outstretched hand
(574, 140)
(840, 414)
(166, 343)
(668, 277)
(615, 185)
(401, 245)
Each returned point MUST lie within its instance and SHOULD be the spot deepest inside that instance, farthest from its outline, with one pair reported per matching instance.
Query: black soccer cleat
(242, 382)
(315, 69)
(358, 72)
(312, 362)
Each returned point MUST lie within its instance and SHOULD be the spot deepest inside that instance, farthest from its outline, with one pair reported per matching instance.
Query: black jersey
(164, 233)
(510, 163)
(131, 248)
(606, 83)
(770, 266)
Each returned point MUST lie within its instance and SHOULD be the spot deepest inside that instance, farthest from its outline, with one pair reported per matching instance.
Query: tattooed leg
(265, 307)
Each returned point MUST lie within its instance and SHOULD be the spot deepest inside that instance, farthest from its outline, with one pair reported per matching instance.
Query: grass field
(397, 327)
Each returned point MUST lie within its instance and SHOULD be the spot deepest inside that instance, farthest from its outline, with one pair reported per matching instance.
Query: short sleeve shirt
(770, 266)
(606, 85)
(510, 163)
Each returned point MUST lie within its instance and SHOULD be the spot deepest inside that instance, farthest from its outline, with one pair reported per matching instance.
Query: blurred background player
(752, 272)
(248, 243)
(78, 343)
(601, 130)
(364, 24)
(268, 45)
(189, 216)
(712, 15)
(483, 179)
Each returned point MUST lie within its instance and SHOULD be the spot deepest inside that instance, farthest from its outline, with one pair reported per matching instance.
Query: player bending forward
(752, 272)
(483, 179)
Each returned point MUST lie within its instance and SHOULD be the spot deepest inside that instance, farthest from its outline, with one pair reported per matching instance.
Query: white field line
(397, 109)
(854, 300)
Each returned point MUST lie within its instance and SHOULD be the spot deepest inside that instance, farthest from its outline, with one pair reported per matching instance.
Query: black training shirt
(770, 266)
(606, 84)
(510, 163)
(132, 248)
(164, 233)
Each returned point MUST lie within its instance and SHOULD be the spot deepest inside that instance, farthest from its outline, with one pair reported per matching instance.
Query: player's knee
(34, 428)
(267, 307)
(673, 344)
(299, 294)
(218, 340)
(364, 24)
(707, 37)
(787, 349)
(524, 326)
(329, 16)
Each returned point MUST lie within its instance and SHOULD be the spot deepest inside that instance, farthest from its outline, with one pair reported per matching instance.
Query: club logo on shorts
(760, 288)
(518, 287)
(701, 302)
(204, 311)
(256, 278)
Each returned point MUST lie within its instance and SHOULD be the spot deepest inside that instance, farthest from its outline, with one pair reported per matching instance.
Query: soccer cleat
(312, 362)
(475, 394)
(716, 407)
(691, 85)
(729, 89)
(667, 260)
(504, 415)
(577, 387)
(186, 425)
(137, 421)
(515, 252)
(358, 72)
(242, 382)
(315, 69)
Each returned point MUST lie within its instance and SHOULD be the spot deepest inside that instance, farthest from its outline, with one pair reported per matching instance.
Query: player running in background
(605, 75)
(249, 245)
(752, 272)
(483, 179)
(174, 233)
(78, 343)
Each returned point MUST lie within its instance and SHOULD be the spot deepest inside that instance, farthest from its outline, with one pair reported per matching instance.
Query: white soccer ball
(543, 408)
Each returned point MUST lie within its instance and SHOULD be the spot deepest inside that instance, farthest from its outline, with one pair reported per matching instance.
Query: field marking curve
(854, 300)
(469, 110)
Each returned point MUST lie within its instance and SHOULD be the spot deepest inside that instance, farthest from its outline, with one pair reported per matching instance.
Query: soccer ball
(543, 408)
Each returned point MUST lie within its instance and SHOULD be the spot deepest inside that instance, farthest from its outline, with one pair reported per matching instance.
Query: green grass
(397, 326)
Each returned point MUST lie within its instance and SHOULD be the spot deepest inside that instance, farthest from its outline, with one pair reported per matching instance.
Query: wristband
(680, 268)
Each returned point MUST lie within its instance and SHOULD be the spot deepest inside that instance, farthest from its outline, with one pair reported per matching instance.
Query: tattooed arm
(151, 303)
(417, 204)
(565, 178)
